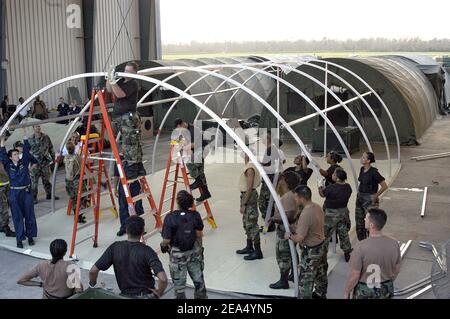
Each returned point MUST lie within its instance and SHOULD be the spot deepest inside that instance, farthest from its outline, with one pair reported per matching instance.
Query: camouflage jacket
(42, 149)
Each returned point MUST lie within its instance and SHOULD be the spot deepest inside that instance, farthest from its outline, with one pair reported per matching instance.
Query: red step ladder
(176, 153)
(88, 160)
(92, 148)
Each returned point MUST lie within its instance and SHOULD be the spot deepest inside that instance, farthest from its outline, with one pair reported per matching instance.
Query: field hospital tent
(404, 88)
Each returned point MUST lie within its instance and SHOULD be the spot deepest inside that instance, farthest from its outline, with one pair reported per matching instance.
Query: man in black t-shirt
(125, 117)
(182, 236)
(134, 265)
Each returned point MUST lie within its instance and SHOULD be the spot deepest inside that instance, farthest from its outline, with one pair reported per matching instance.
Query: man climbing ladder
(125, 118)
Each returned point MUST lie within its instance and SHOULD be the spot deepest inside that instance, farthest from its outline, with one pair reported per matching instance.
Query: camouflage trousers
(43, 172)
(385, 291)
(72, 192)
(337, 220)
(197, 171)
(363, 202)
(264, 199)
(313, 276)
(131, 138)
(4, 207)
(184, 262)
(250, 217)
(283, 252)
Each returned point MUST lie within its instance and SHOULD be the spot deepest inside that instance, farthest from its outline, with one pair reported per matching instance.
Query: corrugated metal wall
(42, 49)
(112, 47)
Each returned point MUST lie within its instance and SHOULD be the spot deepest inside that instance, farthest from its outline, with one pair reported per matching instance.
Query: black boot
(19, 244)
(282, 283)
(247, 250)
(196, 184)
(81, 219)
(291, 276)
(257, 254)
(205, 194)
(31, 241)
(141, 170)
(8, 232)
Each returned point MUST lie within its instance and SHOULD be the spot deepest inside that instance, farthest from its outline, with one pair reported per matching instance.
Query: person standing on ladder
(42, 149)
(196, 166)
(125, 117)
(135, 190)
(20, 197)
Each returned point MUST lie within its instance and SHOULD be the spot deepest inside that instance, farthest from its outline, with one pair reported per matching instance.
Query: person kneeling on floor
(134, 265)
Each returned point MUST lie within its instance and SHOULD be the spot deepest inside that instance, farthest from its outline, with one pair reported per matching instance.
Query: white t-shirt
(77, 149)
(25, 110)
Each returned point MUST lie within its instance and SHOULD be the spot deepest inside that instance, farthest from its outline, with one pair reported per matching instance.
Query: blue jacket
(18, 175)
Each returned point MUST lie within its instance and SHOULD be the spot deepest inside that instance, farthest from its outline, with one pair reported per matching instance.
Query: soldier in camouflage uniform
(286, 185)
(273, 165)
(125, 117)
(309, 233)
(248, 183)
(368, 192)
(42, 151)
(337, 215)
(72, 164)
(182, 236)
(196, 166)
(375, 263)
(4, 207)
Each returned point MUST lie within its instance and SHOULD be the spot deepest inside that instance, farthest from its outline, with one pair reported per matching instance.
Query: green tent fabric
(405, 90)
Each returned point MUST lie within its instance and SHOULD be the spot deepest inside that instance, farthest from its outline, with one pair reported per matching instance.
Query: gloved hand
(111, 76)
(320, 182)
(164, 249)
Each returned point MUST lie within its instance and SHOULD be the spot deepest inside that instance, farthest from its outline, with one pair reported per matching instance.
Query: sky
(183, 21)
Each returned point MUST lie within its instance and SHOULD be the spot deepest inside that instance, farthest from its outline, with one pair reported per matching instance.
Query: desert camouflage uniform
(42, 149)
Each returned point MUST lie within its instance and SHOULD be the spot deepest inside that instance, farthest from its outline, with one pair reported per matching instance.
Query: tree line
(361, 45)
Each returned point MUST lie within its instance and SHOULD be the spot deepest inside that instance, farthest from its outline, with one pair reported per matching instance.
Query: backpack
(185, 233)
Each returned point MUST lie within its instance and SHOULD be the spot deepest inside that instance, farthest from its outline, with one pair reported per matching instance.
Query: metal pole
(182, 98)
(331, 108)
(278, 103)
(325, 107)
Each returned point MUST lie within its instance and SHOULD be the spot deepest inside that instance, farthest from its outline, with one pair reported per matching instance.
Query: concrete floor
(403, 209)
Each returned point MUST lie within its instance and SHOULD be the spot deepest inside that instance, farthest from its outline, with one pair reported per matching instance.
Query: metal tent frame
(145, 75)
